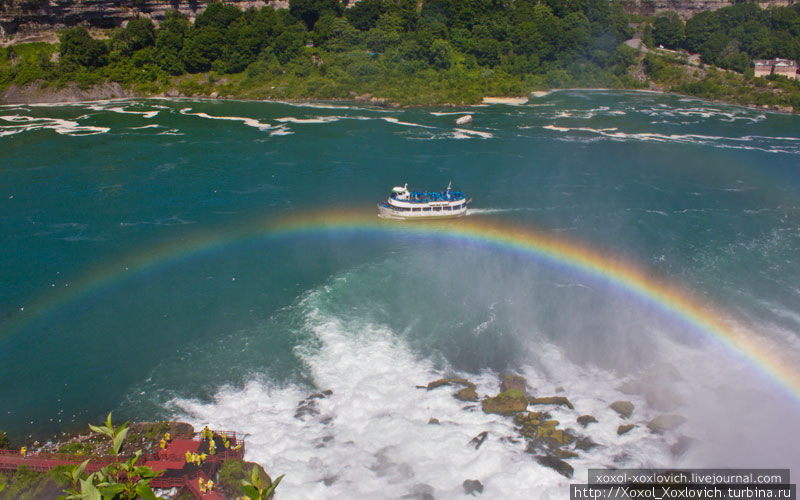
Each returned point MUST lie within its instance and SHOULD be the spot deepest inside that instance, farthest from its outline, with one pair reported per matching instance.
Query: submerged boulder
(472, 486)
(624, 429)
(585, 443)
(506, 403)
(585, 420)
(420, 492)
(478, 440)
(664, 423)
(556, 464)
(552, 400)
(624, 408)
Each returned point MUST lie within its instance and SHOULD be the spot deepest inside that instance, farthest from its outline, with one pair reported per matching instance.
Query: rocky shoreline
(35, 93)
(552, 442)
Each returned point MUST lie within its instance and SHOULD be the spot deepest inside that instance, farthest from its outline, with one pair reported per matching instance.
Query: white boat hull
(390, 213)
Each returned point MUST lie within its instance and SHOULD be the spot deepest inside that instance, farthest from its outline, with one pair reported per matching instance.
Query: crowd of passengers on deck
(429, 196)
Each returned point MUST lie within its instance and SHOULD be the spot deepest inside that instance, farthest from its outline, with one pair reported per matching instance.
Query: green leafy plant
(254, 489)
(117, 480)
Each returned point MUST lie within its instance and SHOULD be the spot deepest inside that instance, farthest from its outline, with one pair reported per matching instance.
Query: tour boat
(405, 204)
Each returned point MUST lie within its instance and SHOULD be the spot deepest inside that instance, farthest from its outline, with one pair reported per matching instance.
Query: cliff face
(687, 8)
(24, 18)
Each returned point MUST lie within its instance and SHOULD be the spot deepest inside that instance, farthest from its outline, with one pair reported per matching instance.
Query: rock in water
(624, 429)
(463, 120)
(552, 400)
(472, 486)
(467, 394)
(506, 403)
(624, 408)
(513, 382)
(420, 492)
(585, 420)
(479, 439)
(664, 423)
(585, 444)
(556, 464)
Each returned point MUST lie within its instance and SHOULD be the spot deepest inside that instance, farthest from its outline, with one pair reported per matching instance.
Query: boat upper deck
(430, 196)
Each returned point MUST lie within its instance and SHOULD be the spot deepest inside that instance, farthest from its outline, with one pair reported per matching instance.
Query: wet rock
(585, 420)
(542, 433)
(506, 403)
(552, 400)
(450, 381)
(624, 408)
(321, 395)
(664, 423)
(559, 389)
(623, 429)
(467, 394)
(327, 481)
(306, 408)
(564, 454)
(420, 492)
(585, 443)
(472, 486)
(556, 464)
(478, 440)
(681, 446)
(433, 421)
(514, 382)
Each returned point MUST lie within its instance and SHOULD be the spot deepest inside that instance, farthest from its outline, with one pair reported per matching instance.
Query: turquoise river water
(142, 271)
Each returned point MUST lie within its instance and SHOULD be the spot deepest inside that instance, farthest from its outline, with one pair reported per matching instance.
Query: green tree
(77, 46)
(364, 14)
(218, 15)
(669, 31)
(699, 29)
(138, 34)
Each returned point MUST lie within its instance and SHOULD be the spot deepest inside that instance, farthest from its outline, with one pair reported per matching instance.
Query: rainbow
(764, 354)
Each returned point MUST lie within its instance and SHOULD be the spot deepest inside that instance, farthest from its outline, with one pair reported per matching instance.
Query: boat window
(415, 209)
(437, 209)
(426, 209)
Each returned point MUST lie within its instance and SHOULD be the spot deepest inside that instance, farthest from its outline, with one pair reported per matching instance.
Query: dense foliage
(431, 51)
(732, 36)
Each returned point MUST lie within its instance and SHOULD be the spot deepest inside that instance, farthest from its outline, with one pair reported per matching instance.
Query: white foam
(447, 113)
(250, 122)
(713, 140)
(64, 127)
(120, 109)
(317, 119)
(398, 122)
(281, 131)
(465, 133)
(152, 125)
(371, 437)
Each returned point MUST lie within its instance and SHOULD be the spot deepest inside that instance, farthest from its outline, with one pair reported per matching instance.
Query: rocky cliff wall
(687, 8)
(26, 19)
